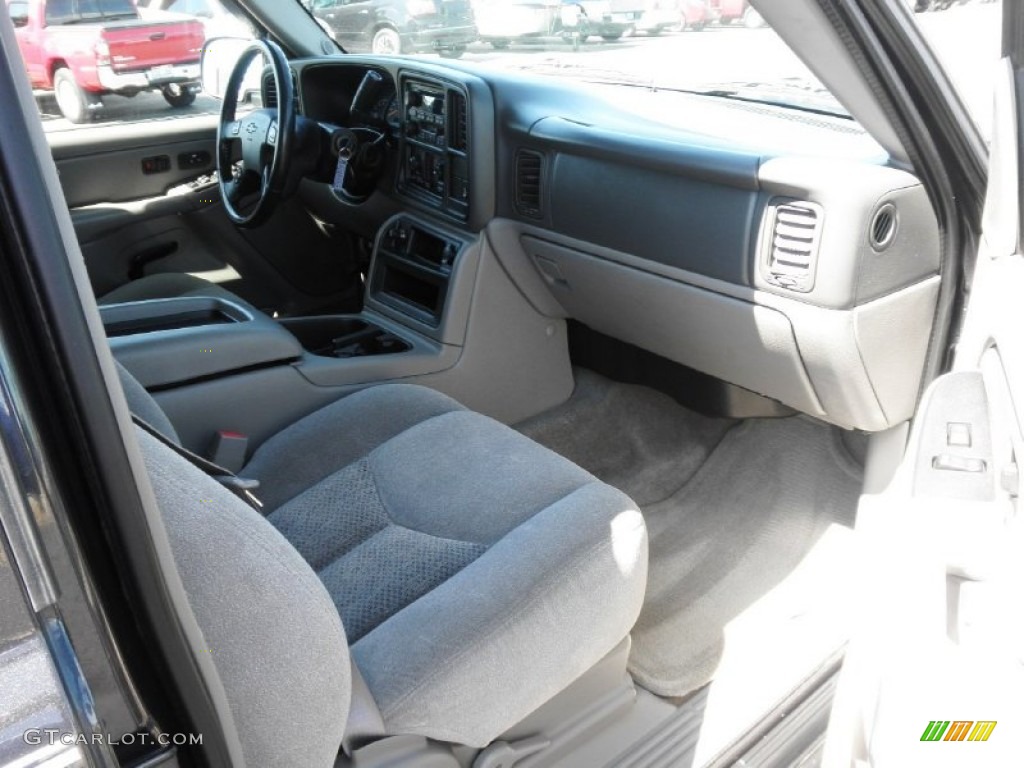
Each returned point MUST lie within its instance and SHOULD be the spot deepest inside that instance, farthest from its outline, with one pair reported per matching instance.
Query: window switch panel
(156, 164)
(958, 434)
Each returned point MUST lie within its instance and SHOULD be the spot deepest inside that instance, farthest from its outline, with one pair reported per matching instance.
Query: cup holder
(343, 337)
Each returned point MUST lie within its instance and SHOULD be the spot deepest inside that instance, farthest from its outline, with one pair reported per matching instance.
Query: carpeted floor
(637, 439)
(732, 508)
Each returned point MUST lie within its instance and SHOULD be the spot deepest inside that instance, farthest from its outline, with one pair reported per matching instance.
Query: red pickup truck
(83, 49)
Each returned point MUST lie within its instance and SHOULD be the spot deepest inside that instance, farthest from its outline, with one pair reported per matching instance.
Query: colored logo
(958, 730)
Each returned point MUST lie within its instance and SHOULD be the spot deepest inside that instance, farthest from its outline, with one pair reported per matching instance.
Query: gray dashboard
(807, 277)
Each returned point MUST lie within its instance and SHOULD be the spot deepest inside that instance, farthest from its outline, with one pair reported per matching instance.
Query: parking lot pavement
(118, 109)
(965, 38)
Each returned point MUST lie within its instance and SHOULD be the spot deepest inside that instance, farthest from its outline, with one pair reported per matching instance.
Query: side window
(202, 9)
(966, 37)
(184, 6)
(59, 12)
(101, 8)
(19, 13)
(127, 61)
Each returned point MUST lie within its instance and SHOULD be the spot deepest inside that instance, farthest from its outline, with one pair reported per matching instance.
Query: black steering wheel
(263, 139)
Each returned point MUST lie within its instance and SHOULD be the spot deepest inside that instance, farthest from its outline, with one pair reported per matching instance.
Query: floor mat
(732, 509)
(635, 438)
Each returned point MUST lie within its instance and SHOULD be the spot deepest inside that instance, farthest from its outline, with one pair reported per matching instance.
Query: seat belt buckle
(228, 449)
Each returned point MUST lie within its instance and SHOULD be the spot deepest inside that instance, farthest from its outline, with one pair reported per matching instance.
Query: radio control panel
(435, 146)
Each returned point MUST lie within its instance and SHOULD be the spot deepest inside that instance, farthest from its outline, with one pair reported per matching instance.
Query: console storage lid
(171, 341)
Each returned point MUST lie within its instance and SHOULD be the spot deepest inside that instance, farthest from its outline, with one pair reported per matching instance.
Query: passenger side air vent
(529, 183)
(458, 131)
(883, 227)
(792, 254)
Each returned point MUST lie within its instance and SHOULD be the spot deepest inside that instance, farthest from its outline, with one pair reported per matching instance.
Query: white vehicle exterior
(511, 19)
(647, 16)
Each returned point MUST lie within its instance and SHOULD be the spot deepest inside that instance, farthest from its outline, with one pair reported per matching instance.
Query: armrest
(165, 342)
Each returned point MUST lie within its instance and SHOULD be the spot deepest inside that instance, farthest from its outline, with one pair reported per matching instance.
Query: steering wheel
(264, 139)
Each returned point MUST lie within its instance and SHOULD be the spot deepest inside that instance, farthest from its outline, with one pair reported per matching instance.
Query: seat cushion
(309, 450)
(166, 285)
(477, 574)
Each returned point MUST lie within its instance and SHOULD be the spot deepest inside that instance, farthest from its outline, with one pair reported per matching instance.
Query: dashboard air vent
(793, 249)
(269, 95)
(529, 183)
(882, 231)
(458, 131)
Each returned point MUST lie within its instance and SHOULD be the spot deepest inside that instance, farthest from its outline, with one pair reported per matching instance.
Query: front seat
(476, 574)
(165, 285)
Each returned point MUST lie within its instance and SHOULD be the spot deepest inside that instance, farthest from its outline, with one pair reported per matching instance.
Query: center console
(344, 336)
(412, 269)
(174, 342)
(180, 341)
(219, 364)
(167, 342)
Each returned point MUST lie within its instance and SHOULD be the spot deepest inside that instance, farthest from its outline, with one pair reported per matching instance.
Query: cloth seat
(166, 285)
(476, 574)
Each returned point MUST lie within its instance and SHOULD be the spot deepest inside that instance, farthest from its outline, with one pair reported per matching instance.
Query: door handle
(952, 463)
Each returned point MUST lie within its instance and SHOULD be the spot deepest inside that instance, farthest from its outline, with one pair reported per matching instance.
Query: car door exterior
(27, 41)
(350, 19)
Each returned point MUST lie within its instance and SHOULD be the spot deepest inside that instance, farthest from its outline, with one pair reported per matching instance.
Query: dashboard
(424, 119)
(773, 249)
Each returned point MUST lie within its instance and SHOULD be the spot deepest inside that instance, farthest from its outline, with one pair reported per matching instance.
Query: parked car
(597, 18)
(83, 51)
(399, 26)
(651, 17)
(500, 22)
(695, 15)
(217, 20)
(729, 11)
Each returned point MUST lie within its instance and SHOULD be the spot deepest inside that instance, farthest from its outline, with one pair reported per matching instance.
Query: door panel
(939, 652)
(133, 218)
(118, 163)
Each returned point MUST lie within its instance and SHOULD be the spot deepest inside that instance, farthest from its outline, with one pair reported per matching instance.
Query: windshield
(721, 50)
(717, 48)
(713, 47)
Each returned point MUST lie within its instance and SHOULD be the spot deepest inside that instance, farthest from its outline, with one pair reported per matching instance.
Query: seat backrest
(143, 406)
(272, 631)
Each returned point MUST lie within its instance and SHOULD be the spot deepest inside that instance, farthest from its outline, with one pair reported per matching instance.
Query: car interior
(493, 420)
